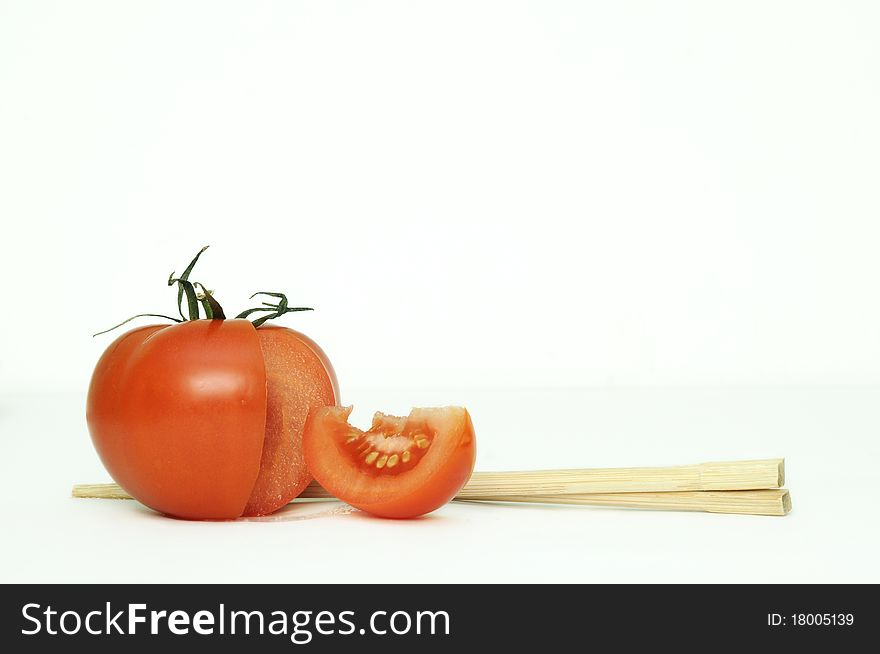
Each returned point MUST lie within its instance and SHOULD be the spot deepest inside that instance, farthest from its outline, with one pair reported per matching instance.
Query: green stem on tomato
(212, 307)
(192, 300)
(140, 315)
(197, 294)
(184, 277)
(273, 310)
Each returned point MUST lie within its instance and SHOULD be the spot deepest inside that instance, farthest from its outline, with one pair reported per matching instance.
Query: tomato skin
(177, 414)
(433, 482)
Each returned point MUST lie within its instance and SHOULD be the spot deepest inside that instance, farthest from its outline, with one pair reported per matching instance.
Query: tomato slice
(298, 377)
(400, 467)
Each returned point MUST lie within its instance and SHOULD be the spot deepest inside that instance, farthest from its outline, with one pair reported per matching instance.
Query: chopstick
(776, 501)
(751, 487)
(716, 476)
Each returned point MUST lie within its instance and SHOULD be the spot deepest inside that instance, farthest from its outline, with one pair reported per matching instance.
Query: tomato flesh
(298, 378)
(400, 467)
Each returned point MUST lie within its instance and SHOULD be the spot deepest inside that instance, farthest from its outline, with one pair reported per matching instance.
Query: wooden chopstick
(718, 476)
(719, 487)
(715, 476)
(776, 501)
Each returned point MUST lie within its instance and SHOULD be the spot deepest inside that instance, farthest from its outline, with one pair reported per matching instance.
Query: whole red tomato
(203, 419)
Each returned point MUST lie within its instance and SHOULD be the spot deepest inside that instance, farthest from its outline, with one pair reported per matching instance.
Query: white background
(625, 233)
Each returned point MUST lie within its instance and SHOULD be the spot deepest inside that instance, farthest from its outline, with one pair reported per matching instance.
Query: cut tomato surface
(298, 377)
(400, 467)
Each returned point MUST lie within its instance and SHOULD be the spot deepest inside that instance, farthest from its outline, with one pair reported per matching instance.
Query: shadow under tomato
(431, 517)
(296, 511)
(329, 509)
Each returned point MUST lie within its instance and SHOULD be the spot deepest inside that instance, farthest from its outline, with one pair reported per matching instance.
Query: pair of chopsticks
(749, 487)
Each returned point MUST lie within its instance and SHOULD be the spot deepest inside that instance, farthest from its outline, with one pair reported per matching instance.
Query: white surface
(534, 192)
(828, 437)
(474, 195)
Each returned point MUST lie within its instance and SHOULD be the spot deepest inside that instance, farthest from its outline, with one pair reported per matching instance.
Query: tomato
(204, 419)
(400, 467)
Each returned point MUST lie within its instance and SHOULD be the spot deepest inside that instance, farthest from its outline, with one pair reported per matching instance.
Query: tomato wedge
(400, 467)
